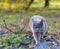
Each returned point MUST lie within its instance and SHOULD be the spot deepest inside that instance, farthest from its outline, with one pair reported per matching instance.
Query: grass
(52, 14)
(52, 18)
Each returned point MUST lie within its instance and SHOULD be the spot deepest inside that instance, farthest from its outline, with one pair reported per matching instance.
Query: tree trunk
(46, 3)
(29, 4)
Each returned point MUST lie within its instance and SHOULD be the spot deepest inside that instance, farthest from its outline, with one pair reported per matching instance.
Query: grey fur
(38, 25)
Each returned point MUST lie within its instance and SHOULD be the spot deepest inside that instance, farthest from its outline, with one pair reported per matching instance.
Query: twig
(5, 26)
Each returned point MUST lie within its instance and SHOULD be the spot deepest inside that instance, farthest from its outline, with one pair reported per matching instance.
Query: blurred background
(13, 10)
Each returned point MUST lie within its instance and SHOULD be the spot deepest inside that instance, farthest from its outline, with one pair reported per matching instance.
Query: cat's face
(37, 26)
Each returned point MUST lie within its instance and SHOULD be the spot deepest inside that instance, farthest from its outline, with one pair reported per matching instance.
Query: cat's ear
(41, 23)
(33, 21)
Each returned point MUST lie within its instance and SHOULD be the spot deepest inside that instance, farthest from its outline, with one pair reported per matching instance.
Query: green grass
(52, 14)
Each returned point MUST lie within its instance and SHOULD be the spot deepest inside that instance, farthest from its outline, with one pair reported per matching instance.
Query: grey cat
(38, 26)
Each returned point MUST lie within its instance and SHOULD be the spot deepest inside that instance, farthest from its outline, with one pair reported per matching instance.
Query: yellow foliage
(14, 5)
(20, 1)
(8, 1)
(17, 7)
(20, 5)
(1, 5)
(6, 6)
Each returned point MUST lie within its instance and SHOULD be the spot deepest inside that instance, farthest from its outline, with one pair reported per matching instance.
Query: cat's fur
(38, 25)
